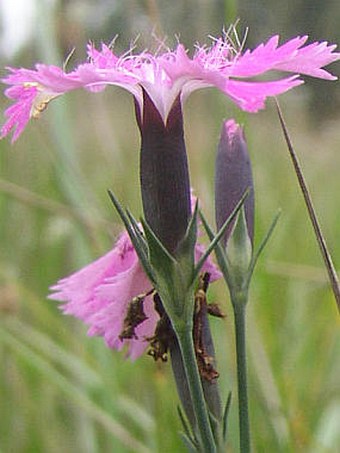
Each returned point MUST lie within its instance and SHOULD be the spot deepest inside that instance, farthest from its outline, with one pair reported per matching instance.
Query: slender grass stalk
(75, 393)
(186, 344)
(239, 304)
(72, 182)
(89, 225)
(311, 212)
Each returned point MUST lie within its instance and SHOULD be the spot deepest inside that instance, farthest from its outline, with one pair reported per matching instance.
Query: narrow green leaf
(123, 216)
(225, 417)
(263, 244)
(187, 246)
(136, 238)
(219, 235)
(221, 258)
(139, 233)
(160, 258)
(186, 428)
(191, 447)
(215, 427)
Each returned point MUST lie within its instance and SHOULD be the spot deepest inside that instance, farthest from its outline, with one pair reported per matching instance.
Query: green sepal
(220, 255)
(187, 433)
(138, 232)
(160, 258)
(136, 237)
(216, 428)
(216, 238)
(264, 242)
(223, 261)
(239, 252)
(190, 446)
(185, 252)
(168, 278)
(225, 417)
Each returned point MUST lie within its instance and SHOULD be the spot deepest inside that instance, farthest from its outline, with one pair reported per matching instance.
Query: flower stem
(185, 340)
(240, 332)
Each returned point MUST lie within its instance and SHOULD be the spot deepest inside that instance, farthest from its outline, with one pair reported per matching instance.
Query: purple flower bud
(233, 176)
(164, 172)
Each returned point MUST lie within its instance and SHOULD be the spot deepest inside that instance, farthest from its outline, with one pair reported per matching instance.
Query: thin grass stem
(311, 212)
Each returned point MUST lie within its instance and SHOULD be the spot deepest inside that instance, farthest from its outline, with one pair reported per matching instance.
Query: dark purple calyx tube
(164, 173)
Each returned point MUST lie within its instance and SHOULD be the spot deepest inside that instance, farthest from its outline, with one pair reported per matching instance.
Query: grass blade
(311, 212)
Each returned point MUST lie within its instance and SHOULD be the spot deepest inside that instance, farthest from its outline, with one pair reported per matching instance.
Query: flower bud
(233, 176)
(164, 172)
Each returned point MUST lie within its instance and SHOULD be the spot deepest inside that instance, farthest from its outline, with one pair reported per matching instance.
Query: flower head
(233, 176)
(101, 294)
(169, 74)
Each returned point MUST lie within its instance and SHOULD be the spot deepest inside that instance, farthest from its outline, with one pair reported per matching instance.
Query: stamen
(68, 59)
(42, 99)
(161, 44)
(112, 42)
(31, 85)
(40, 103)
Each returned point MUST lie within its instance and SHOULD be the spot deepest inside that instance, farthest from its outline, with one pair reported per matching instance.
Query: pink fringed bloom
(167, 74)
(100, 294)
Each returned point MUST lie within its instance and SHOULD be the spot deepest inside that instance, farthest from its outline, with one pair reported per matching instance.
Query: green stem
(240, 332)
(186, 344)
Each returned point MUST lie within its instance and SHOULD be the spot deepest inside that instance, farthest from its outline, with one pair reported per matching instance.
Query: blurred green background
(61, 391)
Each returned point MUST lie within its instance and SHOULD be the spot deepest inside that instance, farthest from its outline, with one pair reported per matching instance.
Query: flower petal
(251, 96)
(101, 292)
(170, 74)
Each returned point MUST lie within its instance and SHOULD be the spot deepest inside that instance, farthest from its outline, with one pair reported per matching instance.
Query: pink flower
(101, 292)
(167, 74)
